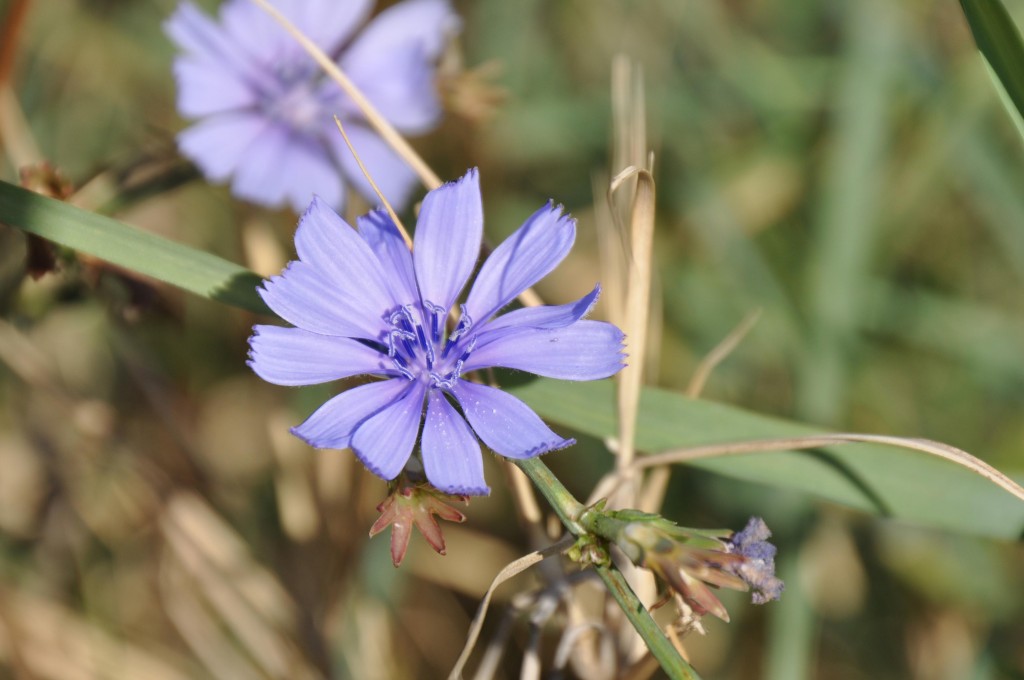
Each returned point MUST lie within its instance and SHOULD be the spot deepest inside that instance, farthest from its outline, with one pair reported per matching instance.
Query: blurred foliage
(845, 166)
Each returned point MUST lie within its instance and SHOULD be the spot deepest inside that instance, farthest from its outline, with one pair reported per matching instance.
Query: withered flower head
(693, 561)
(415, 504)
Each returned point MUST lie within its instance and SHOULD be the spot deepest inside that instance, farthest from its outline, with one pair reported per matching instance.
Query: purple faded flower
(264, 110)
(758, 569)
(363, 304)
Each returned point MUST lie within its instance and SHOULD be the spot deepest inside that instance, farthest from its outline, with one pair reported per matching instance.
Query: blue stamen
(402, 366)
(405, 336)
(429, 348)
(437, 315)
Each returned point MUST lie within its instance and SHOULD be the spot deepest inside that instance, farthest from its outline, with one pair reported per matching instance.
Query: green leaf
(1001, 45)
(193, 270)
(888, 481)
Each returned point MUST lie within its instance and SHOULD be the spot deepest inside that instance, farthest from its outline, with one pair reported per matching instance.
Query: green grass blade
(894, 482)
(179, 265)
(1000, 43)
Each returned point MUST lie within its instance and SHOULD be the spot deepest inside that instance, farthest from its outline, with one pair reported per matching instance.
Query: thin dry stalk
(15, 133)
(611, 249)
(630, 153)
(208, 642)
(376, 189)
(653, 492)
(637, 315)
(511, 570)
(638, 292)
(629, 124)
(246, 597)
(293, 485)
(395, 140)
(495, 648)
(392, 137)
(573, 640)
(719, 354)
(933, 448)
(56, 643)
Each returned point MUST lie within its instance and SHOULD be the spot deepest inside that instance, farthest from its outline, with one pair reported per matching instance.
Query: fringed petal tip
(465, 490)
(373, 467)
(473, 174)
(548, 448)
(297, 433)
(316, 204)
(589, 301)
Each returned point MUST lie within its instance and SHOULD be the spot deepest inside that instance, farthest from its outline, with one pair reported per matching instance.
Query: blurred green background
(847, 167)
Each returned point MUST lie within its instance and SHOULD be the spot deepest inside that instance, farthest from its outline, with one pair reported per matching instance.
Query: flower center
(294, 98)
(420, 350)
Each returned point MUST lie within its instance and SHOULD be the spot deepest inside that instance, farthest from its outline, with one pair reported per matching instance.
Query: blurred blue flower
(265, 111)
(362, 303)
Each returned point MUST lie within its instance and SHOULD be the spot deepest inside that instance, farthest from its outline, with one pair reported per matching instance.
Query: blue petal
(306, 172)
(392, 61)
(256, 177)
(352, 275)
(545, 316)
(447, 240)
(451, 453)
(387, 244)
(329, 23)
(586, 350)
(217, 144)
(504, 423)
(331, 425)
(326, 22)
(523, 259)
(328, 243)
(384, 441)
(292, 356)
(196, 33)
(206, 87)
(304, 297)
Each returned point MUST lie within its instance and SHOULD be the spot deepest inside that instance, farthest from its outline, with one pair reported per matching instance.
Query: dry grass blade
(610, 251)
(56, 643)
(366, 173)
(638, 296)
(207, 640)
(24, 358)
(630, 153)
(379, 123)
(15, 132)
(928, 446)
(510, 571)
(721, 351)
(247, 599)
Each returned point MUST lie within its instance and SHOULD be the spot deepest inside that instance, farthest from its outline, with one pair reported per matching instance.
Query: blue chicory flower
(363, 304)
(265, 111)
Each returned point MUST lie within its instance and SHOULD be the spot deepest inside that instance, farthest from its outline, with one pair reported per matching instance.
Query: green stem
(664, 651)
(569, 510)
(565, 504)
